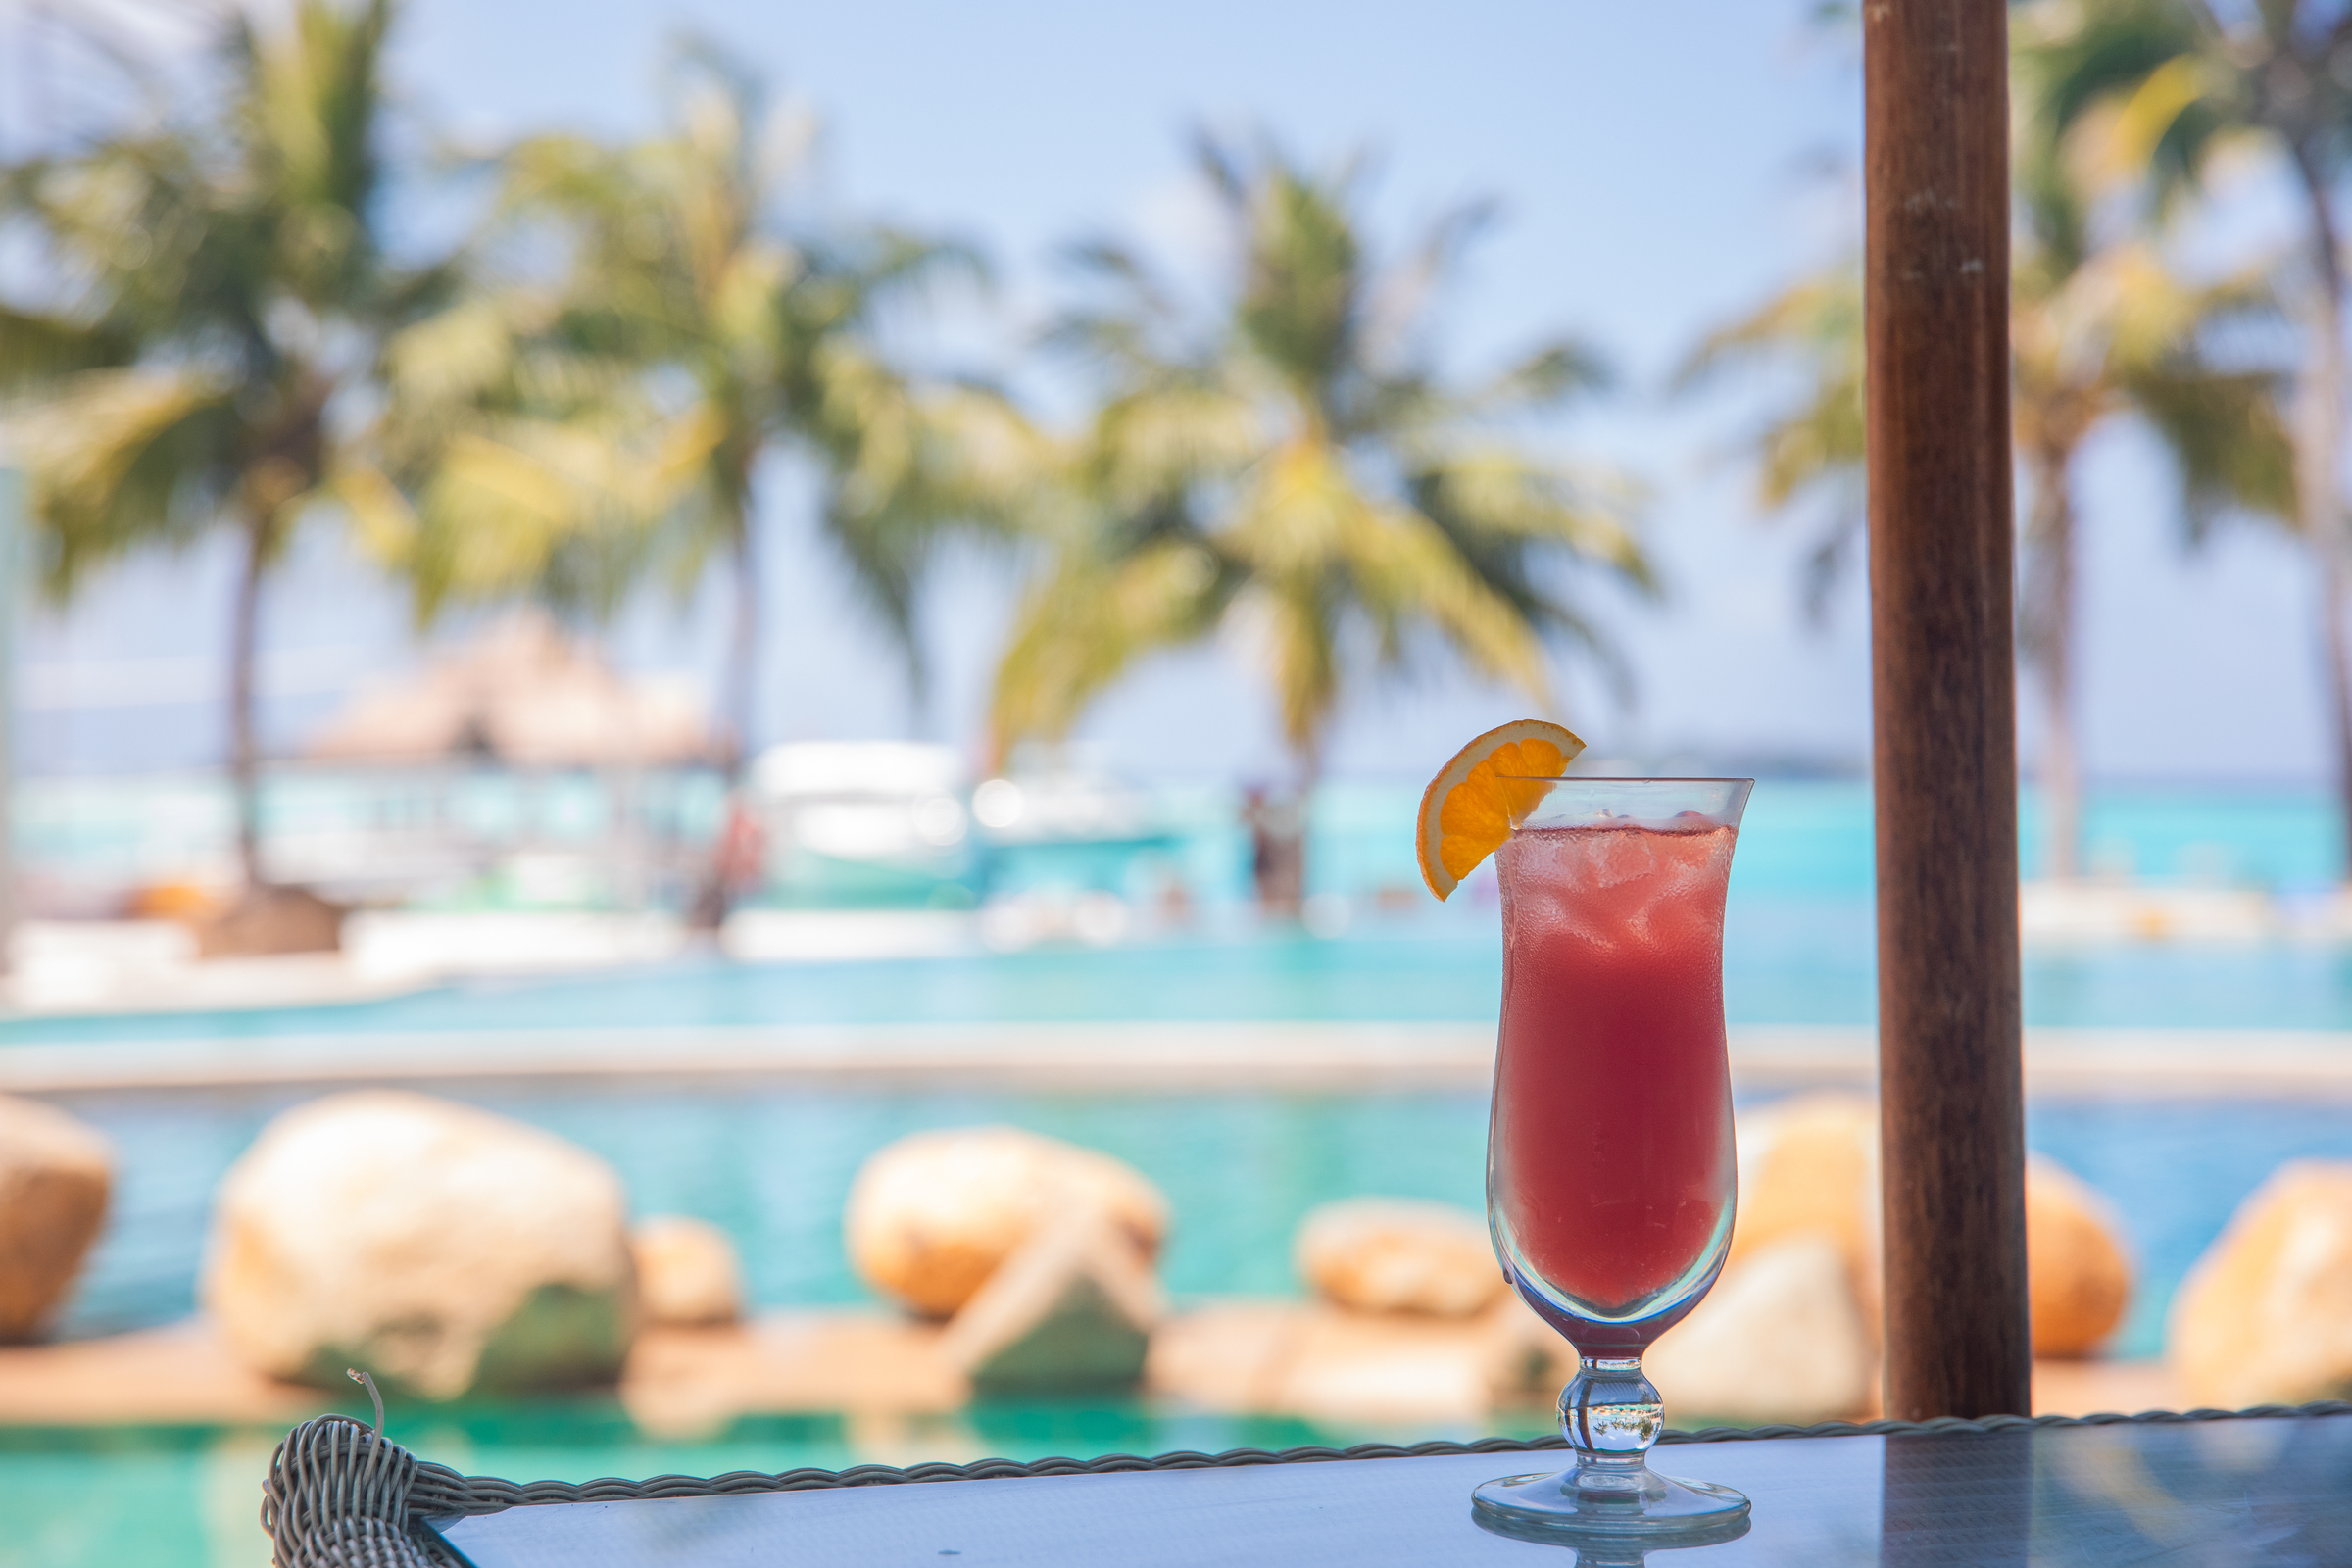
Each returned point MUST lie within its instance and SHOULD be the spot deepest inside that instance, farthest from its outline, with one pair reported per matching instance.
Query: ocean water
(1800, 941)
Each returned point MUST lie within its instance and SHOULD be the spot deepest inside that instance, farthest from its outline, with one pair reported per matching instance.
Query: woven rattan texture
(338, 1497)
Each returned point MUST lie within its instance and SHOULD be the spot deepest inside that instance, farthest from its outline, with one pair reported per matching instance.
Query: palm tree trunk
(244, 747)
(2337, 682)
(1289, 882)
(743, 652)
(738, 705)
(2319, 434)
(2048, 620)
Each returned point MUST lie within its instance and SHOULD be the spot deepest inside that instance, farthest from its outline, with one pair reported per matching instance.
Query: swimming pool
(773, 1168)
(1789, 960)
(772, 1164)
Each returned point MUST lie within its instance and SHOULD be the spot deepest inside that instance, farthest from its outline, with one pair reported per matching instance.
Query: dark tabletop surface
(2269, 1491)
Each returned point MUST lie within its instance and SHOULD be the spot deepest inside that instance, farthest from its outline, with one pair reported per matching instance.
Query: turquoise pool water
(1787, 961)
(188, 1496)
(772, 1167)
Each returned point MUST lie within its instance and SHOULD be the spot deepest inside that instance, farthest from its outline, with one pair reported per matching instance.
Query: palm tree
(569, 430)
(215, 289)
(619, 410)
(2096, 330)
(2181, 78)
(2101, 329)
(1289, 465)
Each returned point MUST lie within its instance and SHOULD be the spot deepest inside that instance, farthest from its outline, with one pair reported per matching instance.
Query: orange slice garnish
(1466, 812)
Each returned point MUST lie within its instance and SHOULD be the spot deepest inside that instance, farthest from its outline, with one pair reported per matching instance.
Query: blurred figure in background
(1277, 851)
(738, 862)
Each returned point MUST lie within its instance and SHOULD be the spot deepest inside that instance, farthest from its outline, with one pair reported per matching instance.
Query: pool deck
(1238, 1356)
(1149, 1057)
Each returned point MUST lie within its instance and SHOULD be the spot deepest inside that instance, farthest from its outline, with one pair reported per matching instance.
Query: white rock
(1777, 1338)
(1810, 1164)
(687, 1274)
(933, 1215)
(444, 1249)
(55, 1176)
(1394, 1255)
(2265, 1315)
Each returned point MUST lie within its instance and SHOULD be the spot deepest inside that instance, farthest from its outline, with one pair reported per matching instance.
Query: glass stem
(1610, 1414)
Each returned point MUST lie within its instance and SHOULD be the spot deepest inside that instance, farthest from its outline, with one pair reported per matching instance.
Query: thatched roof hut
(527, 694)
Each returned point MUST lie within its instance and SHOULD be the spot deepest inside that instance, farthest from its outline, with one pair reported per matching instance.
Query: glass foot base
(1654, 1510)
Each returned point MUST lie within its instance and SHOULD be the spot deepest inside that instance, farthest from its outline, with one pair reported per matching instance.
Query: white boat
(1061, 795)
(864, 822)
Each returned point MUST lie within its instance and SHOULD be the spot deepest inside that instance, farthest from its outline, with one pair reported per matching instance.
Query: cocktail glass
(1610, 1172)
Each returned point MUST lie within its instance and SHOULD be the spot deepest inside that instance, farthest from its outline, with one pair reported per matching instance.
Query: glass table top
(2248, 1490)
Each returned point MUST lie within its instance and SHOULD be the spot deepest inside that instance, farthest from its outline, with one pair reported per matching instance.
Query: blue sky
(1659, 169)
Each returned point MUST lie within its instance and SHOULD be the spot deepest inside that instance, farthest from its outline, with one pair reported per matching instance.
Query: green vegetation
(220, 291)
(2178, 82)
(584, 397)
(1292, 465)
(2103, 323)
(569, 430)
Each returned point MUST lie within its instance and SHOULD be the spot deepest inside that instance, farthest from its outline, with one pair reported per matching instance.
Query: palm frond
(914, 468)
(1085, 623)
(1497, 494)
(2224, 433)
(1810, 450)
(1329, 490)
(1301, 299)
(2073, 58)
(38, 346)
(663, 286)
(1545, 376)
(1163, 439)
(1409, 572)
(1818, 319)
(121, 458)
(528, 508)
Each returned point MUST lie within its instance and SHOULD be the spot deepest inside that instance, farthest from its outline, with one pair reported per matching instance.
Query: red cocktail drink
(1612, 1161)
(1610, 1170)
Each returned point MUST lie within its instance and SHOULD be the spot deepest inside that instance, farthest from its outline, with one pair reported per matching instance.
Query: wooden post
(1944, 704)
